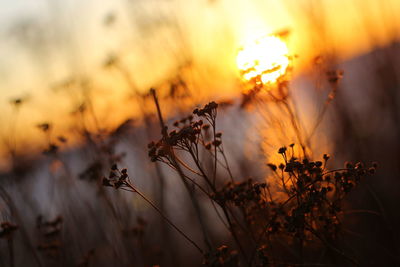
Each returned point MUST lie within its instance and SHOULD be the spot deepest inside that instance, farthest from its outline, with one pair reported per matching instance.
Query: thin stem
(235, 237)
(160, 118)
(219, 215)
(330, 246)
(199, 186)
(204, 175)
(187, 166)
(221, 149)
(178, 168)
(294, 121)
(164, 217)
(11, 251)
(215, 150)
(321, 115)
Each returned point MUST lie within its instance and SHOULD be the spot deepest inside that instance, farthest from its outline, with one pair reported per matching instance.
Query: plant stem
(180, 171)
(11, 251)
(164, 217)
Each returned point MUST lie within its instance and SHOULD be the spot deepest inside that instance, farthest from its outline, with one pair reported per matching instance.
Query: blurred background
(74, 82)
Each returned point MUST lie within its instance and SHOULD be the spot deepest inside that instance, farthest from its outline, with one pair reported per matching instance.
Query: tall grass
(232, 182)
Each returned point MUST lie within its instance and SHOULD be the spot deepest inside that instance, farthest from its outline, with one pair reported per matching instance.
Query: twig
(164, 216)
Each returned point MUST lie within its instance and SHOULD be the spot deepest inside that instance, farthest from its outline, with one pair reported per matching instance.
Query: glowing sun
(264, 60)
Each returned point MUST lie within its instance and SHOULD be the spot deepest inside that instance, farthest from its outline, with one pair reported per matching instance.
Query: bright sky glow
(265, 59)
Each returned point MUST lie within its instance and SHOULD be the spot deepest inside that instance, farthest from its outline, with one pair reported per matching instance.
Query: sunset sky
(46, 43)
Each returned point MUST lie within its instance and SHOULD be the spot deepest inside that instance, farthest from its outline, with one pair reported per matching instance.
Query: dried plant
(301, 205)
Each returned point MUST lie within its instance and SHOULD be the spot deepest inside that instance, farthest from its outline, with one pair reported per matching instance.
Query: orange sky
(46, 43)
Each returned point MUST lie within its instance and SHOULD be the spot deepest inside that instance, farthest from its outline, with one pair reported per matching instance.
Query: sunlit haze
(265, 58)
(47, 44)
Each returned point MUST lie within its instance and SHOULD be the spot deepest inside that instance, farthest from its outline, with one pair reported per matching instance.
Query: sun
(264, 60)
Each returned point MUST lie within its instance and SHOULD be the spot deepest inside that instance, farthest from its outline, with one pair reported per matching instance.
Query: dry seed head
(282, 150)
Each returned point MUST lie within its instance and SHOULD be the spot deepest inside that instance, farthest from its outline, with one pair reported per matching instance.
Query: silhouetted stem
(11, 251)
(178, 168)
(321, 115)
(5, 196)
(294, 122)
(330, 246)
(164, 217)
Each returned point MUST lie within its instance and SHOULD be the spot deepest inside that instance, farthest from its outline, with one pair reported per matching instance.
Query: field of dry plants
(289, 167)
